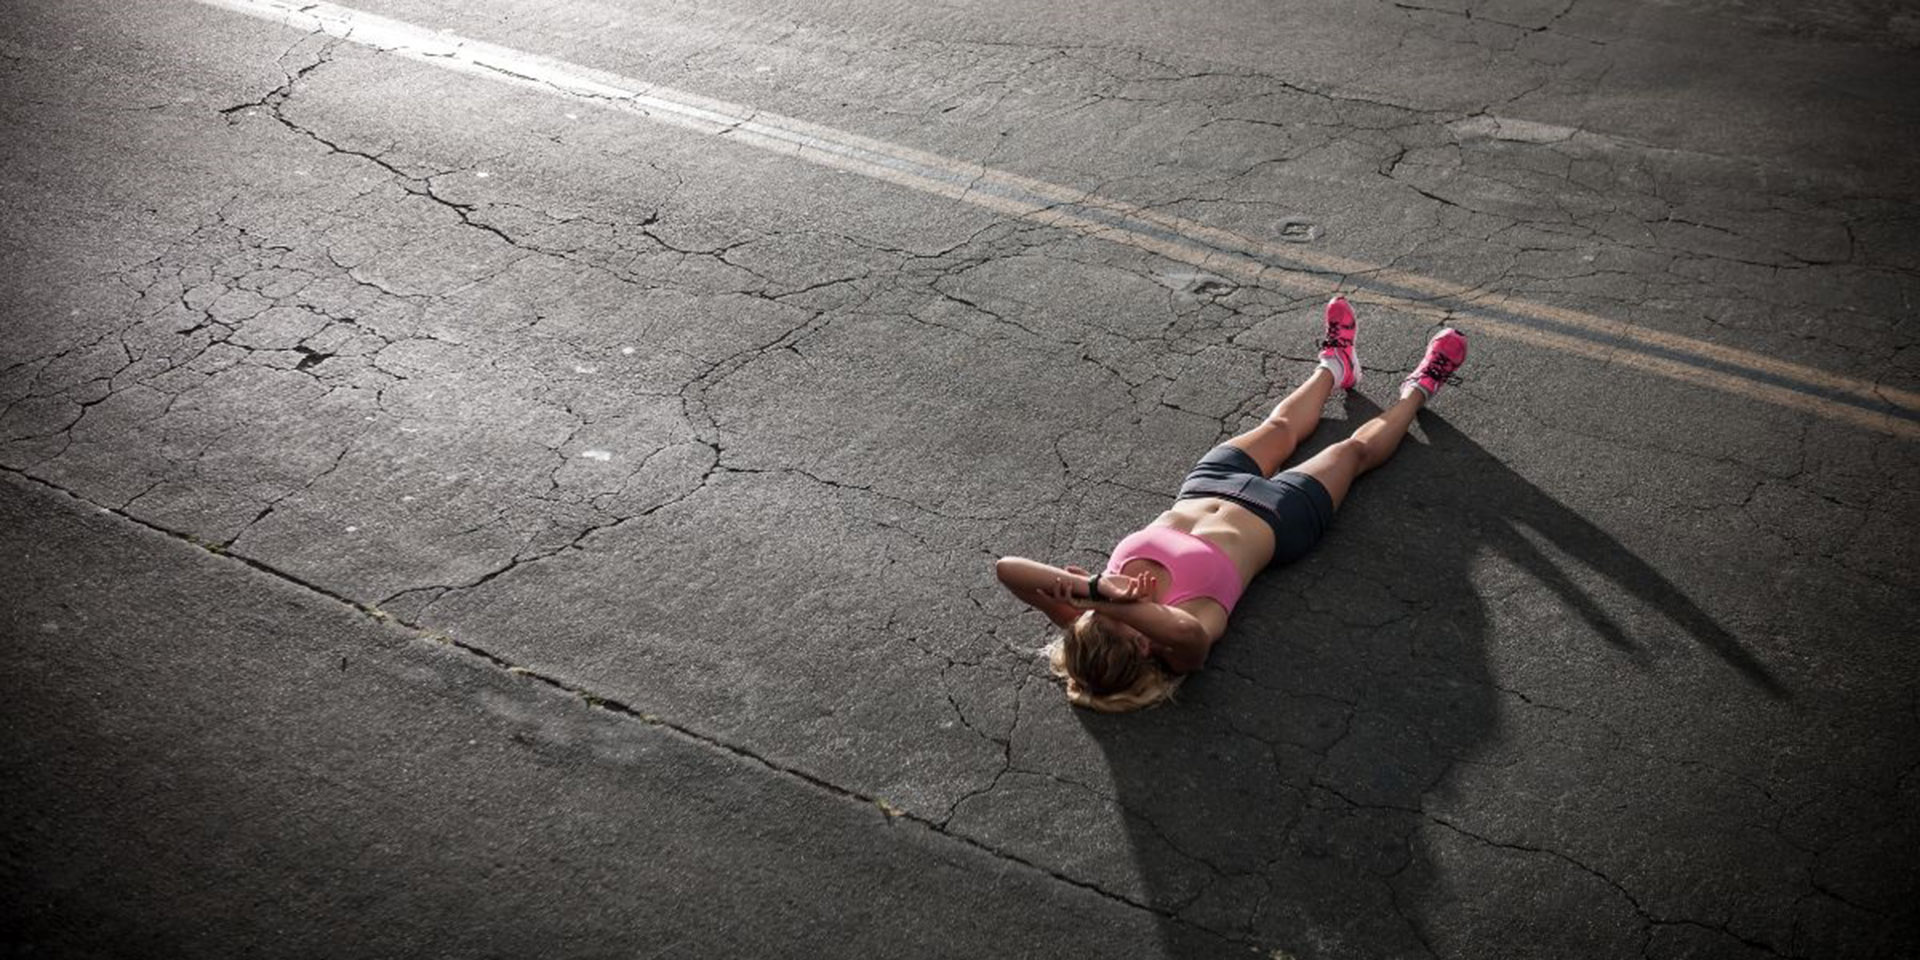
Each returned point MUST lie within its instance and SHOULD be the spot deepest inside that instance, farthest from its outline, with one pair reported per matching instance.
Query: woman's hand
(1119, 587)
(1067, 592)
(1061, 592)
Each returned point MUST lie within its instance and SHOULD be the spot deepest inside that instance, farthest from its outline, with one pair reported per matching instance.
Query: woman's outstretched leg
(1291, 421)
(1374, 441)
(1295, 416)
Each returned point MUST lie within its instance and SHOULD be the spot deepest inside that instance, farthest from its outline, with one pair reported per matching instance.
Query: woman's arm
(1054, 590)
(1179, 638)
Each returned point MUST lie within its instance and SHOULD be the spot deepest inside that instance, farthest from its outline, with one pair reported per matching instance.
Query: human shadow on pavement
(1283, 801)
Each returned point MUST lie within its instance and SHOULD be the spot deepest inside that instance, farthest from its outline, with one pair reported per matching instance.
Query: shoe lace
(1440, 367)
(1337, 339)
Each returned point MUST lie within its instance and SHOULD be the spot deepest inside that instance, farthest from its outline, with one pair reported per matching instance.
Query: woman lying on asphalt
(1167, 592)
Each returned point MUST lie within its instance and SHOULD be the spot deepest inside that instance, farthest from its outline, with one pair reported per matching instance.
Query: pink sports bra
(1198, 568)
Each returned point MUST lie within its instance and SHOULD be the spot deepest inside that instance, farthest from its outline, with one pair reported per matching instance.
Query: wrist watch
(1093, 587)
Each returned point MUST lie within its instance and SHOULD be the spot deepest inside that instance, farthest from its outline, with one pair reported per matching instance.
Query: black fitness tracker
(1093, 588)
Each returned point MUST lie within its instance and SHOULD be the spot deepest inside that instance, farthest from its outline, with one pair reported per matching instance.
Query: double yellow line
(1285, 266)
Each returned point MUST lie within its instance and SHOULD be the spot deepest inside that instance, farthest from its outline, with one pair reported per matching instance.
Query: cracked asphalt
(448, 514)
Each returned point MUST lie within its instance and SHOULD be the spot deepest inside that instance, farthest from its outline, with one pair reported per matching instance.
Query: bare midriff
(1238, 532)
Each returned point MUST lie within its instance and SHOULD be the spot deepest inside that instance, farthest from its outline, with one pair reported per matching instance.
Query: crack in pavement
(1663, 354)
(621, 708)
(946, 286)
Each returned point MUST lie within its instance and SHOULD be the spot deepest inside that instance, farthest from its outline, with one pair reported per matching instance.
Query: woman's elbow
(1008, 571)
(1191, 655)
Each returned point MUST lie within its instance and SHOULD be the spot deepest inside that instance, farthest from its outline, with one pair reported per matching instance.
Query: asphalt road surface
(521, 479)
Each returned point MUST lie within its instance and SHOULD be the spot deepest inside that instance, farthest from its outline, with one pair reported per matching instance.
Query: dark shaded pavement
(336, 787)
(646, 483)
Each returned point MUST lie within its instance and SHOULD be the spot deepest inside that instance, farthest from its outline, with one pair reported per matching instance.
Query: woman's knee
(1354, 450)
(1289, 427)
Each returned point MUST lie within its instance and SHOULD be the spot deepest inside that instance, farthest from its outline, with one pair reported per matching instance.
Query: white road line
(1289, 266)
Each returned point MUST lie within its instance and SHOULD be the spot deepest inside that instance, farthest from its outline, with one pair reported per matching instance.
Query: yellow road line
(1286, 266)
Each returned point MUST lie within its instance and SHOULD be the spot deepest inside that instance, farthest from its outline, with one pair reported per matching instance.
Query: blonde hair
(1104, 672)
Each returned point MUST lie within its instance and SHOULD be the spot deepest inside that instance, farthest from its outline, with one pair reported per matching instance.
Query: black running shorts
(1294, 504)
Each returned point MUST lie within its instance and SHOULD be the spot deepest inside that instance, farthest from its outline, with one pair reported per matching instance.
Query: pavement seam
(1273, 264)
(615, 706)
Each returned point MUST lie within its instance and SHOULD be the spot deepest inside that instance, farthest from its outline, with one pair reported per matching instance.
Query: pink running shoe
(1336, 348)
(1445, 353)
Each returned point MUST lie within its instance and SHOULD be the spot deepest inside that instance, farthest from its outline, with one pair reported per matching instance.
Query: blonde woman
(1165, 596)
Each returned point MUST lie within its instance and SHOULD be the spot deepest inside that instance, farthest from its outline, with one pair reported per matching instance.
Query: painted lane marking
(1277, 265)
